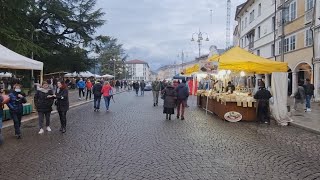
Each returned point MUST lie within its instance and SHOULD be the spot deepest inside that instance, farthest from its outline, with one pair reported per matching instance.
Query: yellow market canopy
(238, 59)
(193, 69)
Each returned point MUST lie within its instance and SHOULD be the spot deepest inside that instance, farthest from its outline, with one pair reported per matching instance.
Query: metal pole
(199, 44)
(114, 69)
(282, 28)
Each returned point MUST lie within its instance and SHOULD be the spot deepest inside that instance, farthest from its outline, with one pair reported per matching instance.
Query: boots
(166, 116)
(169, 116)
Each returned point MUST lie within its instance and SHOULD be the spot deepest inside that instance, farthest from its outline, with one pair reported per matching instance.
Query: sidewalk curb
(294, 124)
(34, 117)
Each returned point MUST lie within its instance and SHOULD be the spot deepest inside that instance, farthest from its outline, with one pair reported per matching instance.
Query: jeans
(96, 102)
(181, 104)
(63, 118)
(155, 97)
(41, 118)
(81, 91)
(137, 92)
(89, 92)
(142, 91)
(308, 101)
(1, 118)
(107, 101)
(16, 117)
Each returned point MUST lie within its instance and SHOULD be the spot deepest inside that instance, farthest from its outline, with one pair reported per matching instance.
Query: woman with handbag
(62, 104)
(107, 94)
(169, 95)
(43, 101)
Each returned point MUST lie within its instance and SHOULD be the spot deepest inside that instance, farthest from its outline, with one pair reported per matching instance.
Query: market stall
(235, 66)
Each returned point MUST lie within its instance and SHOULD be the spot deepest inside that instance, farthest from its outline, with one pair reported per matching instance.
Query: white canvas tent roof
(107, 76)
(12, 60)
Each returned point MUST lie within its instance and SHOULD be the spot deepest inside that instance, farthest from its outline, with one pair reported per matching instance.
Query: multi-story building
(138, 70)
(316, 60)
(279, 30)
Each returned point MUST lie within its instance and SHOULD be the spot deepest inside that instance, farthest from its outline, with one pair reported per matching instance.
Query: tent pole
(41, 77)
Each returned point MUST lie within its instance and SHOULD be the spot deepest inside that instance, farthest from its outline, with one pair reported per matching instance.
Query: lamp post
(199, 39)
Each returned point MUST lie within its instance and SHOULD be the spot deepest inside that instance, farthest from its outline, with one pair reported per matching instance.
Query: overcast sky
(157, 31)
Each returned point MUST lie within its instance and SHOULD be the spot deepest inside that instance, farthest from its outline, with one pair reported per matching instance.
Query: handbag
(163, 95)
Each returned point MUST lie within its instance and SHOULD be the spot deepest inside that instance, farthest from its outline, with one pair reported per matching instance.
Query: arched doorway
(304, 71)
(289, 82)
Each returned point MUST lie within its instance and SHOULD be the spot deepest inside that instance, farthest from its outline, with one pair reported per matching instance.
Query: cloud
(157, 31)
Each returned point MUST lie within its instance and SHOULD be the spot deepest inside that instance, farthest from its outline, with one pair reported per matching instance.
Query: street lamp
(199, 39)
(32, 35)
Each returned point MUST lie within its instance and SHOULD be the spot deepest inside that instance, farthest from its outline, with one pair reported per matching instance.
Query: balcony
(308, 16)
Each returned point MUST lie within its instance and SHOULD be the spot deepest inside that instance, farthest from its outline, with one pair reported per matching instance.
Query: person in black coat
(97, 95)
(263, 113)
(62, 104)
(17, 99)
(43, 100)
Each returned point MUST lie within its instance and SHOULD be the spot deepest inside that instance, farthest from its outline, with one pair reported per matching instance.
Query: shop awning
(238, 59)
(12, 60)
(193, 69)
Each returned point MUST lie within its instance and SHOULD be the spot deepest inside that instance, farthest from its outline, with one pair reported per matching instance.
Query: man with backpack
(299, 96)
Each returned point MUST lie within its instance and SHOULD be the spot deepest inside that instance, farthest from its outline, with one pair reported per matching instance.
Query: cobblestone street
(134, 141)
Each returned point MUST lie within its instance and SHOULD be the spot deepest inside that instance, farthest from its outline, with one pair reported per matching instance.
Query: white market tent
(107, 76)
(12, 60)
(5, 74)
(85, 74)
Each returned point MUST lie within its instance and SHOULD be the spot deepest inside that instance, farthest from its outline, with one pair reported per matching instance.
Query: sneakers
(41, 131)
(308, 110)
(48, 129)
(79, 98)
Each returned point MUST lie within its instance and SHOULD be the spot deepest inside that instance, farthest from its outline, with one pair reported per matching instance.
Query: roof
(241, 7)
(136, 61)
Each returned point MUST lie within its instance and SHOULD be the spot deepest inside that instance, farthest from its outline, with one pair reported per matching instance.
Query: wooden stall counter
(220, 108)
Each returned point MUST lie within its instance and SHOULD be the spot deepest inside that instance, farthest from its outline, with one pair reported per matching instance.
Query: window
(242, 25)
(290, 12)
(286, 45)
(259, 32)
(272, 50)
(246, 22)
(258, 52)
(259, 10)
(308, 38)
(292, 43)
(245, 42)
(242, 43)
(309, 4)
(280, 47)
(273, 23)
(293, 10)
(251, 16)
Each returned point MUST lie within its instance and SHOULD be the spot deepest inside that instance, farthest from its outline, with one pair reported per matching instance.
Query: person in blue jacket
(81, 85)
(17, 99)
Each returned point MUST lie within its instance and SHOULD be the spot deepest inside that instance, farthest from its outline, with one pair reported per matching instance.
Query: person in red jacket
(107, 94)
(89, 88)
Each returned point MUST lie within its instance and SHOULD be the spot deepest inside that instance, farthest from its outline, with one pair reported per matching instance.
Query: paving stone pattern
(134, 141)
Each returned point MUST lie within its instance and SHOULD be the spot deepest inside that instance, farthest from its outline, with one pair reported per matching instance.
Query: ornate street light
(199, 39)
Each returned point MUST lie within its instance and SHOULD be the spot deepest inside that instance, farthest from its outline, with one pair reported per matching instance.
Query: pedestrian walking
(263, 112)
(136, 87)
(117, 85)
(169, 95)
(299, 96)
(97, 95)
(142, 86)
(81, 85)
(17, 99)
(107, 94)
(89, 89)
(43, 100)
(309, 91)
(62, 103)
(155, 91)
(1, 113)
(182, 96)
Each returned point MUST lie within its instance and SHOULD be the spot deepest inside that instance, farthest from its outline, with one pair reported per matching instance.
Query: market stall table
(27, 109)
